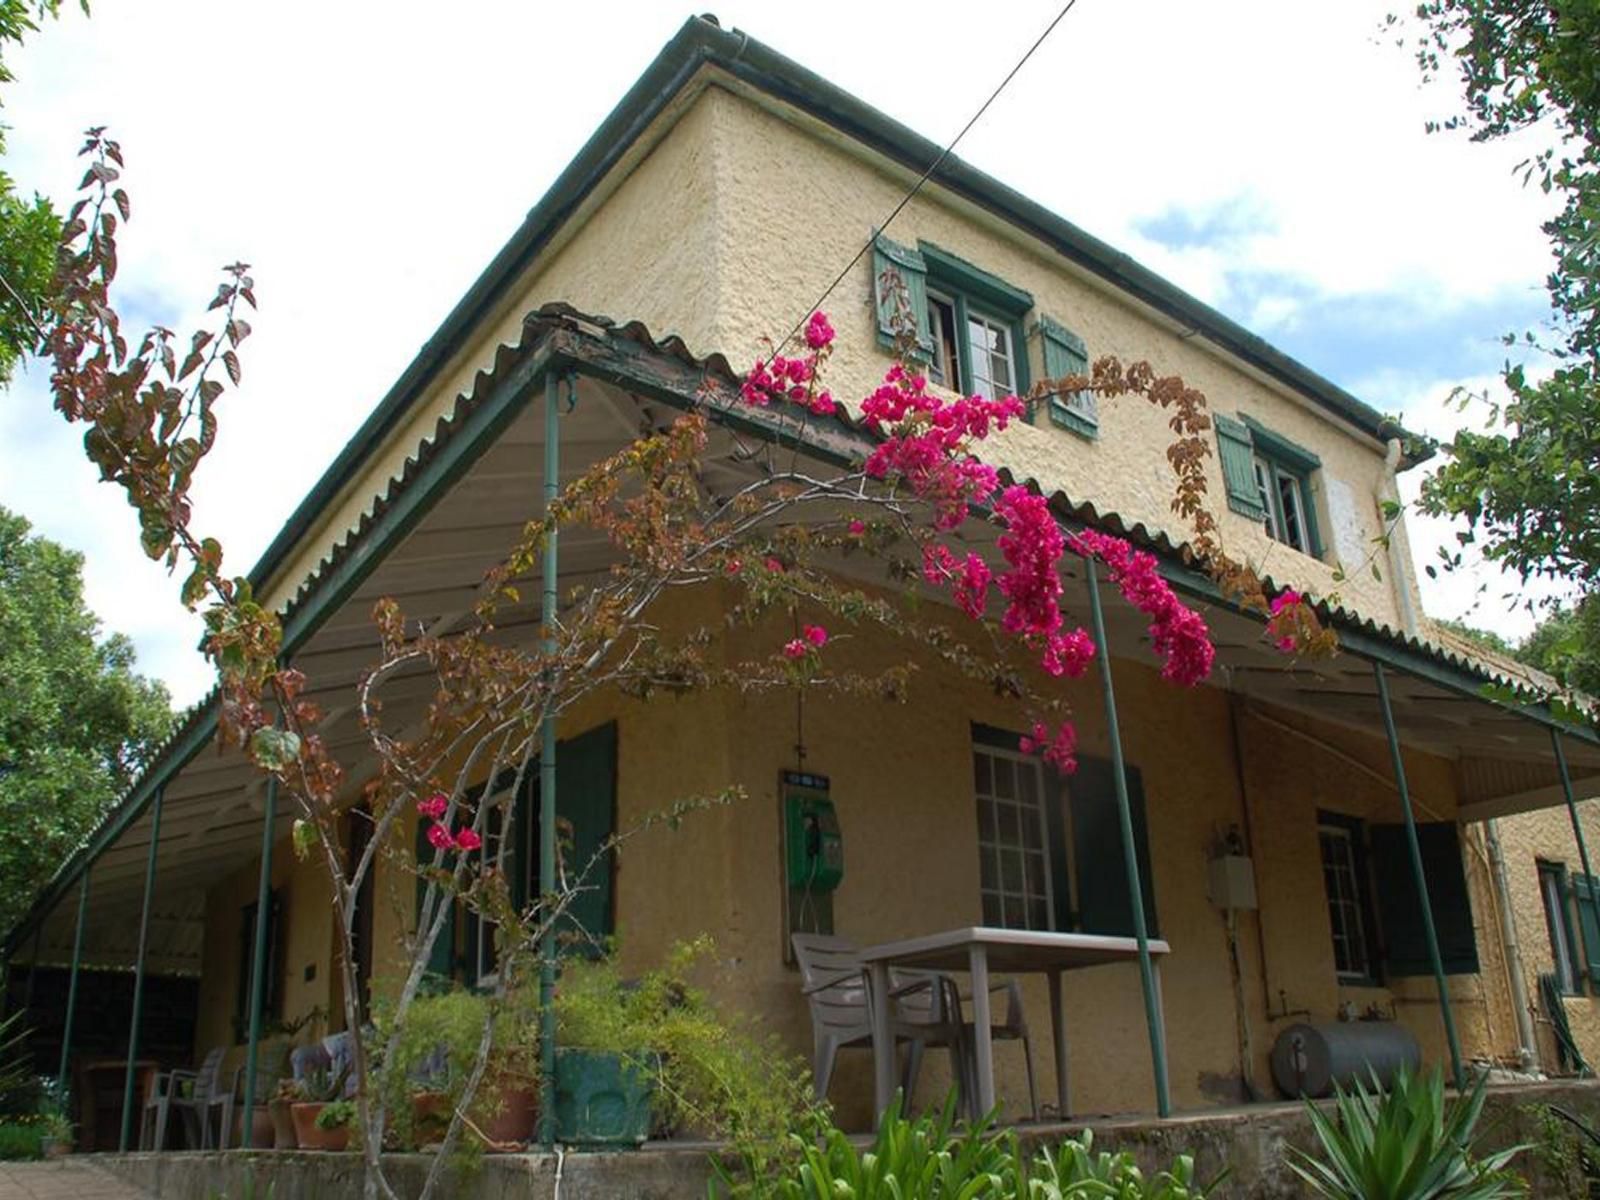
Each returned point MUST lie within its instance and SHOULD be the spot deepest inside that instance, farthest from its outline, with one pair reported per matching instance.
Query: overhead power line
(924, 177)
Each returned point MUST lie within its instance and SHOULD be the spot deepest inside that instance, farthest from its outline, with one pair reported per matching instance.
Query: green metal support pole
(1419, 876)
(72, 986)
(1572, 807)
(138, 972)
(547, 769)
(258, 959)
(1130, 859)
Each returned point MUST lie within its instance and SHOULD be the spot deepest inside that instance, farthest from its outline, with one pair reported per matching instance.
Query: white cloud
(370, 158)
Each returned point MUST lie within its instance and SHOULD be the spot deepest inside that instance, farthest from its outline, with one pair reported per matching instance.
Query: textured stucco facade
(731, 218)
(1526, 840)
(901, 776)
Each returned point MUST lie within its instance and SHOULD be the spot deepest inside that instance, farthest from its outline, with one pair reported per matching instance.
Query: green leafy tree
(1486, 638)
(29, 227)
(1567, 645)
(76, 722)
(1529, 486)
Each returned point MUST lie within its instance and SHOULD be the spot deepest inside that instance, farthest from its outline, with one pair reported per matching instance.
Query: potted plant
(284, 1097)
(55, 1135)
(322, 1088)
(437, 1049)
(333, 1124)
(656, 1048)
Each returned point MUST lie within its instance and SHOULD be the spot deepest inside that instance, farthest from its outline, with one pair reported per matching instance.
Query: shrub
(21, 1140)
(1406, 1145)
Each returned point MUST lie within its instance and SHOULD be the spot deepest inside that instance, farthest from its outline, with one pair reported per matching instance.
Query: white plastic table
(975, 950)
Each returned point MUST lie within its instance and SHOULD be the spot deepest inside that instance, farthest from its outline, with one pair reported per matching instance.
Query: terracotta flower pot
(510, 1119)
(283, 1136)
(430, 1116)
(309, 1135)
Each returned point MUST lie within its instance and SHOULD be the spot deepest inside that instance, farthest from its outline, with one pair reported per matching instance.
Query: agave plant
(1406, 1145)
(1076, 1170)
(924, 1159)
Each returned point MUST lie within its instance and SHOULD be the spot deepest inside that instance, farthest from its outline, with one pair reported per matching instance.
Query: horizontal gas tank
(1307, 1060)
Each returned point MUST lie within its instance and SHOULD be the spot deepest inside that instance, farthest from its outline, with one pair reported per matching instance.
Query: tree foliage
(76, 723)
(1530, 486)
(1567, 645)
(29, 227)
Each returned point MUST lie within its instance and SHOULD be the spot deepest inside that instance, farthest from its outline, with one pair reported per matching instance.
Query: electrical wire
(924, 177)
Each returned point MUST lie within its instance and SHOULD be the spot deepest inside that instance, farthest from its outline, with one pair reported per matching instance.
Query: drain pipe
(1388, 490)
(1526, 1054)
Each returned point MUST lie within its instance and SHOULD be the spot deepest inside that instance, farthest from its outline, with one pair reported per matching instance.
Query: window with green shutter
(1065, 354)
(272, 1008)
(900, 296)
(1586, 894)
(1268, 479)
(1400, 906)
(1050, 846)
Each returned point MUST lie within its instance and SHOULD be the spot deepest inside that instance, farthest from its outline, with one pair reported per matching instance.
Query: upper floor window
(1269, 479)
(1284, 493)
(966, 323)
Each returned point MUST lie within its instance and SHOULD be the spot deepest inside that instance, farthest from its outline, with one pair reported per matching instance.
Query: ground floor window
(1050, 853)
(1558, 923)
(1344, 881)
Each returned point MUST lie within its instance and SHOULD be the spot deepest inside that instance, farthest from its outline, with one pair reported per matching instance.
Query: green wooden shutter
(892, 261)
(1104, 902)
(586, 802)
(1238, 467)
(1586, 890)
(1400, 908)
(442, 960)
(1066, 354)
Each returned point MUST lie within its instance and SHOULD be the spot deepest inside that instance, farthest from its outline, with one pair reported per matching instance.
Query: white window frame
(995, 847)
(1349, 905)
(1557, 921)
(944, 367)
(983, 384)
(1270, 477)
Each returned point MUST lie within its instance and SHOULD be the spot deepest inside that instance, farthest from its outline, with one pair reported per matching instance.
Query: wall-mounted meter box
(1232, 881)
(814, 850)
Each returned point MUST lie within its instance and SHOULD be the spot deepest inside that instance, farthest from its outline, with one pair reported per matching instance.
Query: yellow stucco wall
(728, 222)
(307, 941)
(901, 776)
(1526, 840)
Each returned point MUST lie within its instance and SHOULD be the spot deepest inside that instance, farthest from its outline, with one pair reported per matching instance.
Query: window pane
(986, 830)
(1016, 913)
(1342, 885)
(1264, 487)
(1005, 778)
(1011, 870)
(982, 775)
(990, 345)
(1289, 503)
(992, 914)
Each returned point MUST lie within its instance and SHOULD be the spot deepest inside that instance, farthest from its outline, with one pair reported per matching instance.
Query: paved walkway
(64, 1179)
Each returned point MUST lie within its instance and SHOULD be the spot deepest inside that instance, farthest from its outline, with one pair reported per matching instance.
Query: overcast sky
(369, 159)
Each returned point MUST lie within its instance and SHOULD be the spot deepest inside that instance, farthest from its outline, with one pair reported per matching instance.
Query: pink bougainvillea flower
(467, 839)
(434, 806)
(857, 527)
(816, 635)
(1059, 749)
(794, 649)
(1178, 633)
(1281, 627)
(733, 567)
(773, 565)
(823, 405)
(818, 332)
(439, 838)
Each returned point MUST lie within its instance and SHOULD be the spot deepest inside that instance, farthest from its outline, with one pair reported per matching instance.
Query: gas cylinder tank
(1307, 1060)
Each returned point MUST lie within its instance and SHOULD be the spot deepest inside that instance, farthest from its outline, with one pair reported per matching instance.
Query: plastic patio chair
(166, 1094)
(926, 1012)
(1014, 1028)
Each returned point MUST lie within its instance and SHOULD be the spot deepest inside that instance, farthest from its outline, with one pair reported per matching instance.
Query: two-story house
(708, 212)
